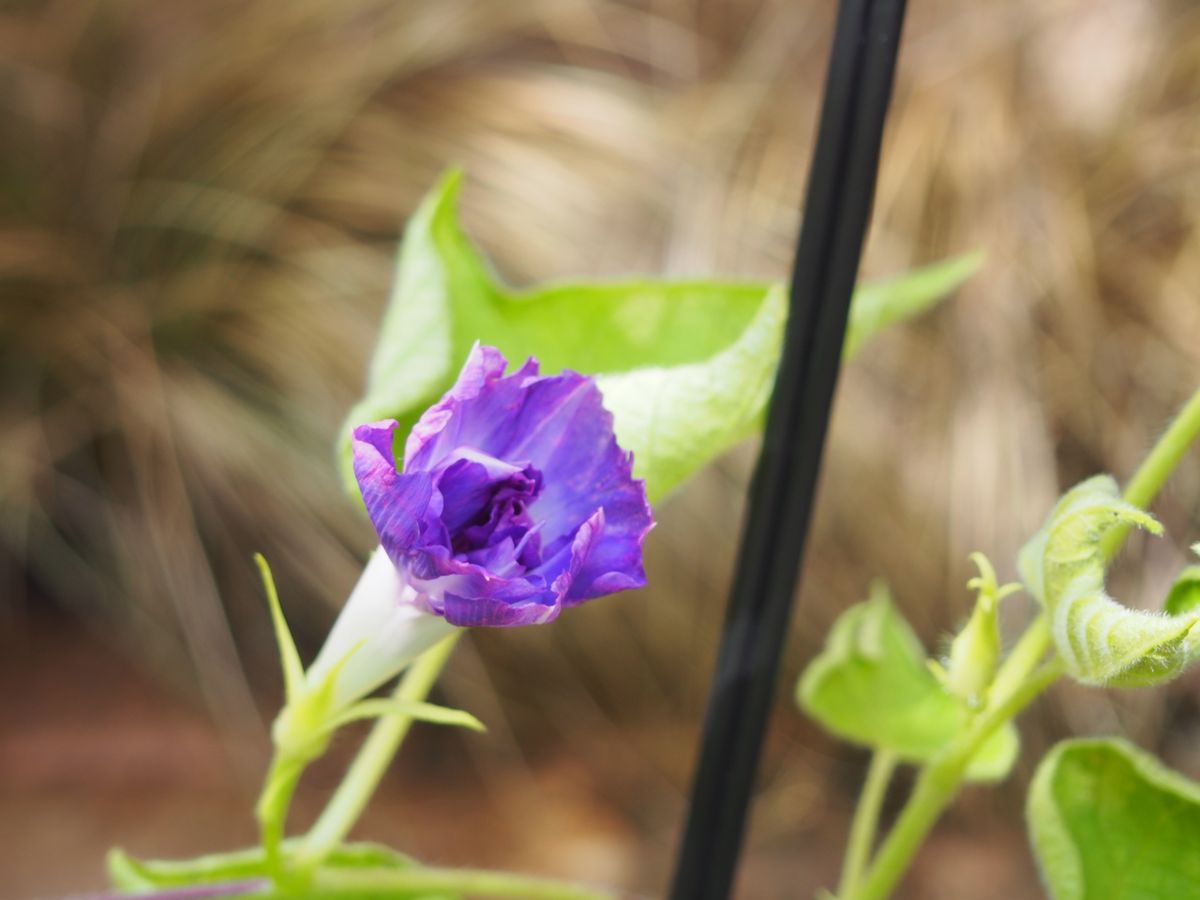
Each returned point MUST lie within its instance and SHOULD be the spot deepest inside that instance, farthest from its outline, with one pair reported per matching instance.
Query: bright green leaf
(872, 686)
(891, 301)
(1100, 641)
(1110, 822)
(674, 418)
(1184, 596)
(676, 356)
(415, 355)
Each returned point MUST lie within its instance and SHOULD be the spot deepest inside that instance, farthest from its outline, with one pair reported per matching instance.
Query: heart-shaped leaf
(871, 685)
(688, 365)
(1110, 822)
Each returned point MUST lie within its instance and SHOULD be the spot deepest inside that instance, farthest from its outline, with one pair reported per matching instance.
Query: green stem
(1027, 652)
(866, 820)
(939, 782)
(272, 810)
(365, 773)
(350, 884)
(1154, 471)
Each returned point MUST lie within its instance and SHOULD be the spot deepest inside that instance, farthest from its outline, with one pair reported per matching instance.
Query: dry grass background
(200, 207)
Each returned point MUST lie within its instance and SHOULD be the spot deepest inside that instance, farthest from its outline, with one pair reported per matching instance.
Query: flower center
(486, 509)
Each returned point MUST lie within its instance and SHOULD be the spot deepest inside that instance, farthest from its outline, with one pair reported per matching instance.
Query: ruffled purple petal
(472, 599)
(584, 470)
(404, 508)
(477, 412)
(501, 610)
(467, 594)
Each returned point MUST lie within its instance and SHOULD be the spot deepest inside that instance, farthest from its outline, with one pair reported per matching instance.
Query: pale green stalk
(350, 884)
(369, 766)
(866, 820)
(1027, 652)
(272, 809)
(1154, 471)
(938, 784)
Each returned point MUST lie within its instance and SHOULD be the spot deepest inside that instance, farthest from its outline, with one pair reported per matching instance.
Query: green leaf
(673, 419)
(672, 351)
(883, 303)
(871, 685)
(1100, 641)
(130, 874)
(1184, 596)
(1110, 822)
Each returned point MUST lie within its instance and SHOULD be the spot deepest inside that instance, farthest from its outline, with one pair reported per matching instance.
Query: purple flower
(515, 499)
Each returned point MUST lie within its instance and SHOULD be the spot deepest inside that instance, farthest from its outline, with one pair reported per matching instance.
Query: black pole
(841, 187)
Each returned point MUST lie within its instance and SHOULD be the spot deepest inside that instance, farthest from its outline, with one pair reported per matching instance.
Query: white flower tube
(379, 631)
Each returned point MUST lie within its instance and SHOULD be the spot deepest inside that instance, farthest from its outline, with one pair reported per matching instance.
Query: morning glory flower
(514, 502)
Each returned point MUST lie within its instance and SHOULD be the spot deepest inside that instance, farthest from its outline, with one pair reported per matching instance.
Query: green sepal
(1100, 641)
(660, 344)
(421, 712)
(1108, 821)
(303, 727)
(871, 685)
(293, 668)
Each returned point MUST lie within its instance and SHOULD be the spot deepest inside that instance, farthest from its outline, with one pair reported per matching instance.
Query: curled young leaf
(1101, 641)
(871, 685)
(1110, 822)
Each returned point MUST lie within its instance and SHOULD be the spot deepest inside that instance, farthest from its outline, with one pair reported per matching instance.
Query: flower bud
(514, 501)
(975, 651)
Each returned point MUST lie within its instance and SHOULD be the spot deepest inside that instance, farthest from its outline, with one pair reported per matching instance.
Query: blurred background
(201, 204)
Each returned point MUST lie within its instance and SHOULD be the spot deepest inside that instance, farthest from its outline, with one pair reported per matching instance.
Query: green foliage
(871, 685)
(893, 300)
(687, 366)
(1184, 596)
(675, 418)
(1101, 641)
(1110, 822)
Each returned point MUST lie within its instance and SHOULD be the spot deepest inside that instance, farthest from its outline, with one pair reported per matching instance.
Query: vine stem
(351, 884)
(1157, 467)
(273, 806)
(866, 820)
(368, 767)
(939, 781)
